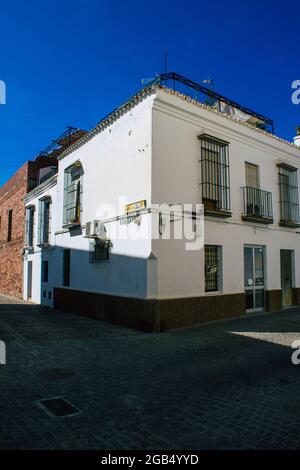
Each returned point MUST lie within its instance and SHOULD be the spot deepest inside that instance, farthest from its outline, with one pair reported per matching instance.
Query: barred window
(215, 174)
(44, 226)
(73, 194)
(29, 226)
(288, 195)
(212, 268)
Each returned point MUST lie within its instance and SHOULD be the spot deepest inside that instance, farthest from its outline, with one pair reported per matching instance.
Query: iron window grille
(44, 224)
(29, 226)
(212, 268)
(288, 195)
(257, 204)
(73, 191)
(215, 179)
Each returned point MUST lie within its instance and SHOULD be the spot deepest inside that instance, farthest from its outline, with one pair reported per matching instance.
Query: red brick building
(12, 210)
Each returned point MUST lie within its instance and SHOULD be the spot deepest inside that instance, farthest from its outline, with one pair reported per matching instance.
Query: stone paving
(225, 385)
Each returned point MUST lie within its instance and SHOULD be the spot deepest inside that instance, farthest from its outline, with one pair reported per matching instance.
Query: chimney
(297, 138)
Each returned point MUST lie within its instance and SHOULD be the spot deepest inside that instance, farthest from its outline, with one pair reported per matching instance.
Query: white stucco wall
(116, 166)
(176, 176)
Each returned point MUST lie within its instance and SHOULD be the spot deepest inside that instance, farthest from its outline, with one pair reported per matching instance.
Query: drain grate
(57, 407)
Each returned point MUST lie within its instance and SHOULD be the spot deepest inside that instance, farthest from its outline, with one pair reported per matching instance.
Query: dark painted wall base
(138, 314)
(273, 299)
(296, 295)
(150, 315)
(160, 315)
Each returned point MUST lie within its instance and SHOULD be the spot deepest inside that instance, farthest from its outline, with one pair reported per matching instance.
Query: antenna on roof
(209, 81)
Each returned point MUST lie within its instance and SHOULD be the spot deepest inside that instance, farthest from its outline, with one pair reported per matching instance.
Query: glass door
(254, 278)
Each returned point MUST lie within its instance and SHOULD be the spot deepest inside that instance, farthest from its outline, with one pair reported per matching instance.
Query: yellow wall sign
(135, 206)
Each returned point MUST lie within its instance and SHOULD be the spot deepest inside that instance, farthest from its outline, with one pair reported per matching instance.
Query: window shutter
(40, 223)
(252, 180)
(46, 221)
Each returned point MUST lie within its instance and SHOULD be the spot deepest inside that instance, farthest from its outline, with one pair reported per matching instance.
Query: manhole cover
(56, 374)
(57, 407)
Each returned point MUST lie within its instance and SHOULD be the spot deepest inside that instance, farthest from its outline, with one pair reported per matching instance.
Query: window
(212, 268)
(9, 225)
(29, 226)
(45, 271)
(252, 176)
(99, 251)
(44, 221)
(257, 203)
(288, 195)
(66, 267)
(215, 175)
(73, 194)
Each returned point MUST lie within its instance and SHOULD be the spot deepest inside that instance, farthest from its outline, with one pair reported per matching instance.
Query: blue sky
(71, 62)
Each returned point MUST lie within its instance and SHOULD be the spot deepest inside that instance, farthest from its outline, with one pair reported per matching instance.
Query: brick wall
(11, 259)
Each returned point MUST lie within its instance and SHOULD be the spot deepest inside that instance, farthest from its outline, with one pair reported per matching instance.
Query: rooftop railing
(215, 100)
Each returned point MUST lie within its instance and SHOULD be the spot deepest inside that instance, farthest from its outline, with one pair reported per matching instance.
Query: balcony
(257, 205)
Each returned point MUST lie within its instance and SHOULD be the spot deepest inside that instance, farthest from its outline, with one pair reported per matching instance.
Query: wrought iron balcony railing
(257, 205)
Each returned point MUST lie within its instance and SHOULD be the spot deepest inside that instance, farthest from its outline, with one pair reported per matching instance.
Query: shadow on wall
(120, 289)
(93, 283)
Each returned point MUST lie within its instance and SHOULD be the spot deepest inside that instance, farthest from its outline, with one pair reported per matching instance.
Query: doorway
(29, 280)
(254, 273)
(286, 263)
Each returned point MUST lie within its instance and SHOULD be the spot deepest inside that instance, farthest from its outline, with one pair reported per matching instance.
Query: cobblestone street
(228, 385)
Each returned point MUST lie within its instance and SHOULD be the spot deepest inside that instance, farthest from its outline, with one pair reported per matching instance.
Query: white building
(165, 147)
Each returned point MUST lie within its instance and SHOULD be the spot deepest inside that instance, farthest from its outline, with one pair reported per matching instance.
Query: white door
(29, 280)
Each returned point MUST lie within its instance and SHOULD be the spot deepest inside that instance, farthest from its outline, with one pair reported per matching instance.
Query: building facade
(12, 210)
(91, 247)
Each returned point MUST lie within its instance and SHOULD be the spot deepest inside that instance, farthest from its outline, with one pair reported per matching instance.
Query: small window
(45, 271)
(73, 195)
(212, 268)
(66, 267)
(9, 225)
(99, 251)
